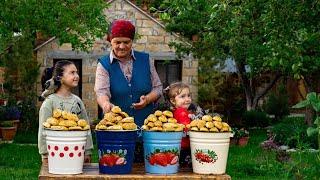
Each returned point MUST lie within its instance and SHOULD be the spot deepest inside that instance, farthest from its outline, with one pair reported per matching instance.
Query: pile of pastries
(65, 121)
(116, 119)
(162, 121)
(209, 124)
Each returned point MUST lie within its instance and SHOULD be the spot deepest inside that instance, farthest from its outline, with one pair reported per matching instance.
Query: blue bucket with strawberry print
(116, 151)
(161, 152)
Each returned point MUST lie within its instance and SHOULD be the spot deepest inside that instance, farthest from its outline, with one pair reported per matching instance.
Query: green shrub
(291, 131)
(255, 118)
(277, 103)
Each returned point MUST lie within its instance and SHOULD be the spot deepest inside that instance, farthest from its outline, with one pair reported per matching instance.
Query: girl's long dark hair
(54, 73)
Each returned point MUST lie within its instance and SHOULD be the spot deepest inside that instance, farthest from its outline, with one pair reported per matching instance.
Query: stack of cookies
(209, 124)
(116, 120)
(162, 121)
(65, 121)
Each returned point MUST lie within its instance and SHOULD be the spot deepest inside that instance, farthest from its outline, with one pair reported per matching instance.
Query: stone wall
(152, 38)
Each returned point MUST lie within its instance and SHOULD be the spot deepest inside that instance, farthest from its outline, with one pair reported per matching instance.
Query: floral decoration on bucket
(205, 156)
(113, 158)
(163, 158)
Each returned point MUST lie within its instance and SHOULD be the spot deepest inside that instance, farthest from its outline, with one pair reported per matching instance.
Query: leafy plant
(312, 100)
(6, 124)
(239, 133)
(277, 103)
(255, 118)
(12, 113)
(290, 130)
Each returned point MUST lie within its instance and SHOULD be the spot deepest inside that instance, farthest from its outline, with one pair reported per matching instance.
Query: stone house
(153, 39)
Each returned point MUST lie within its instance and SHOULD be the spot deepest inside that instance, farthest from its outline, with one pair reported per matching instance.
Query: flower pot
(116, 151)
(243, 141)
(209, 152)
(161, 151)
(16, 123)
(65, 151)
(8, 133)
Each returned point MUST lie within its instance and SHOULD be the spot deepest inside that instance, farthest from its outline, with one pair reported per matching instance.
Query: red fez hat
(121, 28)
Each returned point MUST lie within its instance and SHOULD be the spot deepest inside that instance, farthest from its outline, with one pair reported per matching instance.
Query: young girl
(65, 78)
(178, 94)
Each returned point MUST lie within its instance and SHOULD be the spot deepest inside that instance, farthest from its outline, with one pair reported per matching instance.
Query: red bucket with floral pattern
(66, 151)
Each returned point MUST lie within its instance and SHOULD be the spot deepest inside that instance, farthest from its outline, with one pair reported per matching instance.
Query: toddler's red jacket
(181, 114)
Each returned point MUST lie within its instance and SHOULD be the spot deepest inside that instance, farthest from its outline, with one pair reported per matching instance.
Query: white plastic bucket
(65, 151)
(209, 152)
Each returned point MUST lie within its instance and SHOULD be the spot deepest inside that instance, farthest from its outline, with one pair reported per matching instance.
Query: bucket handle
(139, 131)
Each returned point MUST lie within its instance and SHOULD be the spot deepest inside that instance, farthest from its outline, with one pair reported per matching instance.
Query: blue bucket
(161, 152)
(116, 151)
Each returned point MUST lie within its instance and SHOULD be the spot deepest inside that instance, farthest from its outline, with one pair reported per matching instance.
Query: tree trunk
(246, 85)
(252, 98)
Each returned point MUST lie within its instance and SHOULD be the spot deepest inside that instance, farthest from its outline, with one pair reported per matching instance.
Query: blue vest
(124, 93)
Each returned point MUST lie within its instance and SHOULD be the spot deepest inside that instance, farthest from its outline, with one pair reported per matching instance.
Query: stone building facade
(152, 39)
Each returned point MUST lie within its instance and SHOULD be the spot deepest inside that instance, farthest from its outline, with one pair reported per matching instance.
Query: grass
(22, 161)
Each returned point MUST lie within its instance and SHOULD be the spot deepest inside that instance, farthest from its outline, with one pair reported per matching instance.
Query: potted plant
(8, 130)
(12, 113)
(242, 135)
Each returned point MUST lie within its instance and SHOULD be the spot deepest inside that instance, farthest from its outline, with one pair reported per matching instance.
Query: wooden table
(91, 171)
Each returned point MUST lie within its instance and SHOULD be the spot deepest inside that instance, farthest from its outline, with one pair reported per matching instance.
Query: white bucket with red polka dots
(65, 151)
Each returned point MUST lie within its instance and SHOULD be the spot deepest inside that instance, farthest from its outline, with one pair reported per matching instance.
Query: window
(78, 62)
(169, 71)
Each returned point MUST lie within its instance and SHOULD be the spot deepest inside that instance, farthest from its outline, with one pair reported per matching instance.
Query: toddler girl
(64, 77)
(178, 94)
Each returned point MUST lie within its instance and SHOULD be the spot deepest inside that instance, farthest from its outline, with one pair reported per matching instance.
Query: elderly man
(125, 77)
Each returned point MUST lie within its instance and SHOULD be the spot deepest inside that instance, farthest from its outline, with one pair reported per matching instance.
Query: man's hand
(143, 102)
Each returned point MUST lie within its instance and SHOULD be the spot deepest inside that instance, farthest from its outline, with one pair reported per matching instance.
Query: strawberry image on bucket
(113, 158)
(163, 158)
(205, 156)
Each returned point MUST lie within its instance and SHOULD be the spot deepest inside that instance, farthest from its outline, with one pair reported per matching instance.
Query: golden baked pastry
(56, 113)
(158, 123)
(163, 118)
(172, 120)
(204, 129)
(214, 129)
(124, 114)
(156, 129)
(209, 124)
(158, 113)
(108, 116)
(201, 124)
(68, 123)
(168, 113)
(207, 118)
(217, 118)
(128, 120)
(82, 123)
(115, 127)
(116, 109)
(53, 121)
(46, 124)
(162, 121)
(217, 124)
(59, 128)
(101, 127)
(129, 126)
(75, 128)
